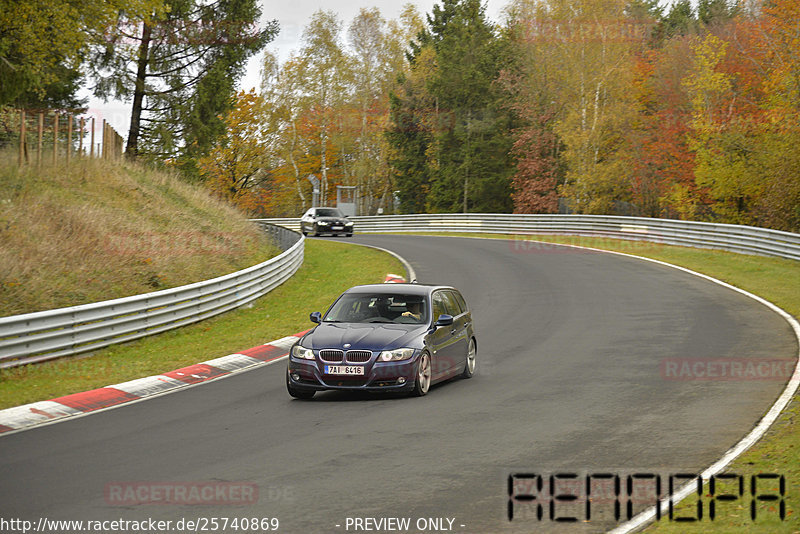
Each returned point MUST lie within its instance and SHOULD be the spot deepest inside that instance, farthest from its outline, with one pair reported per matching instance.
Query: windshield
(384, 308)
(329, 212)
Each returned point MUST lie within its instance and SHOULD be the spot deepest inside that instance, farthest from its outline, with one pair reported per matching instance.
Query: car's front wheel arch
(304, 394)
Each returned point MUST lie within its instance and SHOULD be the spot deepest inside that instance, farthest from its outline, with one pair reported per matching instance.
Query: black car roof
(407, 289)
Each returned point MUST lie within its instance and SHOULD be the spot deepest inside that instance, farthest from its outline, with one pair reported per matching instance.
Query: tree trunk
(132, 148)
(294, 166)
(324, 164)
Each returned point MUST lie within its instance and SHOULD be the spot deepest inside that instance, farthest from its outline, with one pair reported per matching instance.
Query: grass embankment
(778, 452)
(326, 272)
(97, 230)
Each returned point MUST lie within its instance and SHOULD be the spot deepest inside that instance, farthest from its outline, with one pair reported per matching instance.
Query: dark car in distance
(318, 221)
(385, 337)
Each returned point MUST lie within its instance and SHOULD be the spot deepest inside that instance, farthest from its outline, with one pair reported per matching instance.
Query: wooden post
(91, 144)
(39, 146)
(55, 139)
(21, 138)
(69, 137)
(80, 138)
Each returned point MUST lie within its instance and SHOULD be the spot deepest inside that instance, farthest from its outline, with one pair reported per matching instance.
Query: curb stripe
(233, 362)
(55, 410)
(32, 414)
(193, 374)
(264, 352)
(149, 385)
(88, 401)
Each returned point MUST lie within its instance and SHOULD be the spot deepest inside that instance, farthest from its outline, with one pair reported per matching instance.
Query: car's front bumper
(339, 230)
(378, 376)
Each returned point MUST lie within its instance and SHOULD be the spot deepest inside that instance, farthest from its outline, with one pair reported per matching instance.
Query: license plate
(338, 227)
(344, 369)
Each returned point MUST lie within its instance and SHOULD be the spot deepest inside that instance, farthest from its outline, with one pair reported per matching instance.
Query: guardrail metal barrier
(730, 237)
(41, 336)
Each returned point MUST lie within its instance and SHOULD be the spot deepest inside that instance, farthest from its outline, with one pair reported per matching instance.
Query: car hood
(364, 336)
(340, 220)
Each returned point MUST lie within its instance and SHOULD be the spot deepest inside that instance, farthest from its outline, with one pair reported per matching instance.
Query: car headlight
(302, 353)
(348, 224)
(396, 355)
(323, 223)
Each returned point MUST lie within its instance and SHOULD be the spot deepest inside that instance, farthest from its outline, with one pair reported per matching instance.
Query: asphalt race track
(574, 350)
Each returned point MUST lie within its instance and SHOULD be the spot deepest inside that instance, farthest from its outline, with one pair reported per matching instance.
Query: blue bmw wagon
(385, 337)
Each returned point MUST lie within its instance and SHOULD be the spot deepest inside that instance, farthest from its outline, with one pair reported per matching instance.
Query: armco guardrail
(40, 336)
(742, 239)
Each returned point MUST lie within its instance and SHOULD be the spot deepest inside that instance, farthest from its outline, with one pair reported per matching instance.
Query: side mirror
(315, 317)
(444, 320)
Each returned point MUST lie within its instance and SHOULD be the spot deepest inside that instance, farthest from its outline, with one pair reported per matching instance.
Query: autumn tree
(282, 88)
(722, 144)
(531, 94)
(371, 69)
(586, 51)
(236, 167)
(325, 83)
(763, 62)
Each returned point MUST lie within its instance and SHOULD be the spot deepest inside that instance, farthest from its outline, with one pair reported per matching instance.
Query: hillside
(97, 230)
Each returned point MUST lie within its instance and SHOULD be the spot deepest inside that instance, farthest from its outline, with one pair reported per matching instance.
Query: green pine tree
(450, 134)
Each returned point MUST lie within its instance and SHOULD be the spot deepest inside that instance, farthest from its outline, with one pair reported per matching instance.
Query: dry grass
(96, 230)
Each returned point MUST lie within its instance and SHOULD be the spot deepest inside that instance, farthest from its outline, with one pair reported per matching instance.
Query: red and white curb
(394, 279)
(46, 412)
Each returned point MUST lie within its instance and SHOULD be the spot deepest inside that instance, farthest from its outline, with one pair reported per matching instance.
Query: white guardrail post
(733, 238)
(40, 336)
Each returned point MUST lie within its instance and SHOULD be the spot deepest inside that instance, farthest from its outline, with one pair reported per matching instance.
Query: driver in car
(413, 310)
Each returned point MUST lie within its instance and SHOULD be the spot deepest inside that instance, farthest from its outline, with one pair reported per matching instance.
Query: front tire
(304, 394)
(423, 382)
(316, 231)
(472, 354)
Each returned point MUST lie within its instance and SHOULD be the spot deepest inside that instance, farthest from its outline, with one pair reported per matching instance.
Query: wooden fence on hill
(66, 135)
